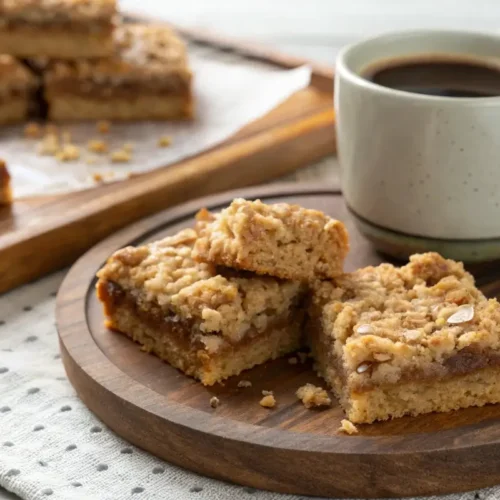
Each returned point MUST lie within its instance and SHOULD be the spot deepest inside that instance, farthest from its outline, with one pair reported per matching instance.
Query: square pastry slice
(286, 241)
(5, 187)
(66, 29)
(405, 341)
(18, 86)
(208, 325)
(147, 78)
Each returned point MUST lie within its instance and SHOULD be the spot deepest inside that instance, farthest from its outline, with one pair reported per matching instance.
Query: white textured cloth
(52, 447)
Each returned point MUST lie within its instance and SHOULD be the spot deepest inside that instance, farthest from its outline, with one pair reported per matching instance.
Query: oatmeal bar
(208, 325)
(17, 87)
(147, 78)
(286, 241)
(5, 187)
(64, 29)
(405, 341)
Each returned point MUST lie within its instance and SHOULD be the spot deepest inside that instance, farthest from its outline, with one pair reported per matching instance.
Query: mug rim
(342, 68)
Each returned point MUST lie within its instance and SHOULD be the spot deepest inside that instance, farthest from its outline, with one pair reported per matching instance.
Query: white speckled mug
(420, 171)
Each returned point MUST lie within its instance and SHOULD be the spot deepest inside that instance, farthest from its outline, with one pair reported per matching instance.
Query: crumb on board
(97, 146)
(32, 131)
(244, 383)
(98, 177)
(214, 401)
(129, 147)
(120, 156)
(164, 141)
(293, 360)
(313, 396)
(347, 427)
(267, 393)
(103, 126)
(69, 152)
(49, 145)
(268, 401)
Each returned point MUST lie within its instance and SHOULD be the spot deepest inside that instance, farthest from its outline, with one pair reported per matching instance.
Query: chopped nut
(164, 142)
(348, 427)
(120, 156)
(465, 313)
(381, 356)
(97, 146)
(49, 145)
(363, 367)
(97, 177)
(267, 393)
(103, 126)
(311, 396)
(244, 383)
(268, 401)
(32, 131)
(293, 361)
(303, 356)
(364, 329)
(68, 152)
(214, 402)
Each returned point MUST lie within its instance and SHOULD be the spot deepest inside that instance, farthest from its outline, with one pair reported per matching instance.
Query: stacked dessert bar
(78, 58)
(257, 281)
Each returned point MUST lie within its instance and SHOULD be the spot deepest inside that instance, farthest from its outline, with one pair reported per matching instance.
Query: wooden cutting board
(287, 449)
(42, 234)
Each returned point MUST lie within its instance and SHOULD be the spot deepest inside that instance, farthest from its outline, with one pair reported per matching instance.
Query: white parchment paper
(230, 93)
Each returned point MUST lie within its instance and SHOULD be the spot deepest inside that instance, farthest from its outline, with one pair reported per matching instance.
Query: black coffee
(441, 77)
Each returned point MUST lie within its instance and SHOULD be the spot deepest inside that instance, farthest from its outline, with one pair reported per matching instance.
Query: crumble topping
(424, 319)
(312, 396)
(52, 11)
(348, 427)
(280, 240)
(165, 274)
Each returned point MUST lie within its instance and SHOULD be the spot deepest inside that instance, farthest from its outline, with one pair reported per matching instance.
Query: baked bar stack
(68, 29)
(207, 323)
(146, 78)
(91, 66)
(214, 321)
(405, 341)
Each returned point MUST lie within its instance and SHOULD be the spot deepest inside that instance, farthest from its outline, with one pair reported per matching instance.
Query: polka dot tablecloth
(52, 447)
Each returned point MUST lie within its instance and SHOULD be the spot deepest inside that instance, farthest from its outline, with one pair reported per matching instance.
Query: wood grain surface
(287, 449)
(43, 234)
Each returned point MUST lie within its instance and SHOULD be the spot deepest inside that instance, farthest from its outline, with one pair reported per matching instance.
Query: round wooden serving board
(287, 449)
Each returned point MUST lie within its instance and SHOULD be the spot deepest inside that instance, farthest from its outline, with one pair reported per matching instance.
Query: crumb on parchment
(32, 130)
(214, 401)
(164, 141)
(293, 360)
(97, 146)
(103, 126)
(120, 156)
(69, 152)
